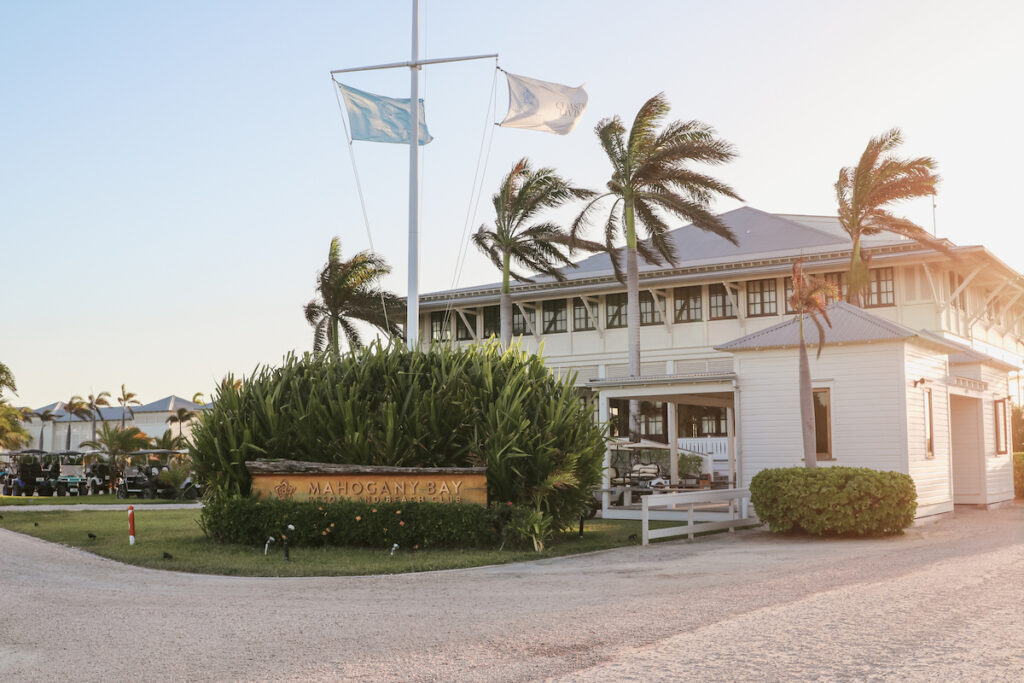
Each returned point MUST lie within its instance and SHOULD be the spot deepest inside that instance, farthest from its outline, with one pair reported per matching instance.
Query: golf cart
(28, 476)
(71, 480)
(142, 477)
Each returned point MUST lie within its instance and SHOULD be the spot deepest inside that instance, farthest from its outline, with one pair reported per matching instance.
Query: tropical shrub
(834, 500)
(250, 521)
(387, 405)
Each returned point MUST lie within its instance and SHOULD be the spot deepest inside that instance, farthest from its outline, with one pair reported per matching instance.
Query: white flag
(539, 105)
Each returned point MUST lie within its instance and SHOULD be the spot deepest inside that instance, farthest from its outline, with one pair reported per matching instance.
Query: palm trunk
(334, 337)
(807, 403)
(67, 446)
(506, 304)
(632, 315)
(42, 432)
(93, 437)
(857, 279)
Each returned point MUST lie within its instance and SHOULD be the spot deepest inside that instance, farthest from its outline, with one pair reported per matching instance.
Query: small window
(823, 424)
(519, 326)
(440, 330)
(761, 297)
(492, 321)
(880, 288)
(719, 302)
(687, 304)
(555, 316)
(1001, 440)
(650, 313)
(615, 310)
(787, 292)
(581, 318)
(462, 331)
(841, 282)
(929, 432)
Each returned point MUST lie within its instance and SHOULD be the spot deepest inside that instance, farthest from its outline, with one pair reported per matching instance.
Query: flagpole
(412, 302)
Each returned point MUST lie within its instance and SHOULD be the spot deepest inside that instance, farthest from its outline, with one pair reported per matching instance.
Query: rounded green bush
(387, 405)
(834, 500)
(1018, 474)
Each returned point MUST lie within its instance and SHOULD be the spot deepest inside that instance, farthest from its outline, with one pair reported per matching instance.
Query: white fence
(715, 450)
(736, 515)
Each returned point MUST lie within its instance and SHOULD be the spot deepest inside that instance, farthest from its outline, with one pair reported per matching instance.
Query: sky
(172, 173)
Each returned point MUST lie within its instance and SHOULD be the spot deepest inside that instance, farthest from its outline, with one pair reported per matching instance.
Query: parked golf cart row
(33, 472)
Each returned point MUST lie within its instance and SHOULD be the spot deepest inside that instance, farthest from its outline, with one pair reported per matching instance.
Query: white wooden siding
(931, 473)
(998, 468)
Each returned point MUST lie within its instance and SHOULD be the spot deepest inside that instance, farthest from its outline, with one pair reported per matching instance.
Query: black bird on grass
(168, 556)
(92, 536)
(35, 523)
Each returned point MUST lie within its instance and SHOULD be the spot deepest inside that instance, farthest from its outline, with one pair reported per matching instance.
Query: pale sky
(171, 173)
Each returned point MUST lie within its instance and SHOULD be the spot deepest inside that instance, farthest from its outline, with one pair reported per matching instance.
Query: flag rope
(359, 189)
(477, 189)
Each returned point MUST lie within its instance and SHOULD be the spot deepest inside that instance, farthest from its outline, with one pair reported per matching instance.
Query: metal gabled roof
(168, 404)
(849, 325)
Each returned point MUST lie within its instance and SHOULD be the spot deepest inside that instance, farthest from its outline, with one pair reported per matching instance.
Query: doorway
(968, 450)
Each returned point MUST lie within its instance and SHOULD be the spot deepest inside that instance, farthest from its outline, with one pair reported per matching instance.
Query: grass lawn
(80, 500)
(176, 532)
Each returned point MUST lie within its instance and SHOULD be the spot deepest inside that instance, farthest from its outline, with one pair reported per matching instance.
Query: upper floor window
(519, 326)
(440, 330)
(463, 331)
(841, 281)
(555, 316)
(761, 297)
(650, 313)
(615, 310)
(581, 315)
(719, 302)
(880, 288)
(492, 321)
(687, 304)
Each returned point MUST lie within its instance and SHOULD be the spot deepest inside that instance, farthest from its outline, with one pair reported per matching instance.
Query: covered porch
(651, 468)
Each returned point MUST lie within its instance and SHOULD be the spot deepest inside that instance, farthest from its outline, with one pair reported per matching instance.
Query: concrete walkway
(943, 602)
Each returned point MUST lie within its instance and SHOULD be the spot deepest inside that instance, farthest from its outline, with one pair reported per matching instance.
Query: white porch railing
(736, 515)
(714, 448)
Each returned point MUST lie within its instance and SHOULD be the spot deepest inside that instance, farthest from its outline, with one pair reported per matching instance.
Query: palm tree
(198, 398)
(524, 193)
(127, 400)
(13, 434)
(94, 402)
(43, 416)
(651, 177)
(169, 442)
(347, 291)
(117, 443)
(180, 417)
(809, 300)
(76, 406)
(866, 190)
(7, 380)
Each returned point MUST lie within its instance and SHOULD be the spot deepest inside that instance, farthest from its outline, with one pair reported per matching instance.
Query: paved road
(943, 602)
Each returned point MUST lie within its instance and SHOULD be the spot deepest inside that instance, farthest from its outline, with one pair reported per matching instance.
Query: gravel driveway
(943, 602)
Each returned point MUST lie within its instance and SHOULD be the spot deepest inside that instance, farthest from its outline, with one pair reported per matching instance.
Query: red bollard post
(131, 525)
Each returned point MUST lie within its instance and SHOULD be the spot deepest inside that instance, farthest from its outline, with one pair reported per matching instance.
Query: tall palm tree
(169, 442)
(866, 191)
(515, 239)
(652, 178)
(7, 380)
(94, 402)
(127, 400)
(75, 406)
(180, 417)
(43, 416)
(117, 443)
(809, 298)
(348, 291)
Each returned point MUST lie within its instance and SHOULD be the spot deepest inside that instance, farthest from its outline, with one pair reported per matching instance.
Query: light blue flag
(381, 119)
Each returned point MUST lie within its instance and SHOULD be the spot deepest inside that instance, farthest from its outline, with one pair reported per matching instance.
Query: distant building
(917, 381)
(151, 418)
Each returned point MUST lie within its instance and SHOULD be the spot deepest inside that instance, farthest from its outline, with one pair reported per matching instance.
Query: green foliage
(391, 406)
(250, 521)
(527, 525)
(13, 434)
(1018, 474)
(1017, 427)
(690, 465)
(175, 476)
(834, 500)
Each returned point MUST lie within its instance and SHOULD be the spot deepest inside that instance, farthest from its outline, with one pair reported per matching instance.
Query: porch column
(602, 416)
(730, 434)
(673, 444)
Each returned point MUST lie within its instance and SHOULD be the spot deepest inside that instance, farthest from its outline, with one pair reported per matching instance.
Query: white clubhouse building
(918, 381)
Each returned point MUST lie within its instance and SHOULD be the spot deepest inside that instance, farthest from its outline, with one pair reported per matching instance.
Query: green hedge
(1018, 474)
(249, 521)
(386, 405)
(834, 500)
